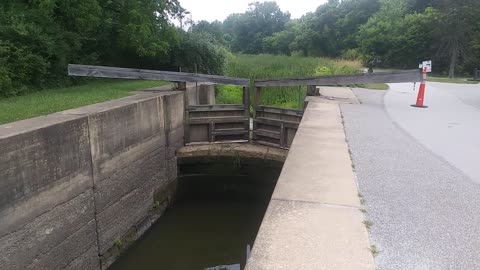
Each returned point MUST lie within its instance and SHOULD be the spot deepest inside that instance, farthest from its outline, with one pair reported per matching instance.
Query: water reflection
(217, 215)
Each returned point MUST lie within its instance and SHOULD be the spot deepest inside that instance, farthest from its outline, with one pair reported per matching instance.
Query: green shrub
(198, 52)
(352, 54)
(38, 39)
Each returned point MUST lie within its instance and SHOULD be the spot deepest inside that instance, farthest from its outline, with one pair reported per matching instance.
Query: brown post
(182, 86)
(246, 100)
(211, 129)
(283, 134)
(246, 103)
(312, 90)
(257, 99)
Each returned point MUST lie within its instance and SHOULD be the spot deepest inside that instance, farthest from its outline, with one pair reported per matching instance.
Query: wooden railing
(154, 75)
(414, 75)
(225, 123)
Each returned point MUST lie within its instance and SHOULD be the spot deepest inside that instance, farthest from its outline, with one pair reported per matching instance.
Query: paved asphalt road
(418, 172)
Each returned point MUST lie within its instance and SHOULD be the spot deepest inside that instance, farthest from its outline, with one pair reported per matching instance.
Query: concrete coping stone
(314, 220)
(39, 122)
(32, 124)
(245, 150)
(117, 103)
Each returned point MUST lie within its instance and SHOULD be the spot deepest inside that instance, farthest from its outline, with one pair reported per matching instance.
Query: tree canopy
(38, 38)
(396, 33)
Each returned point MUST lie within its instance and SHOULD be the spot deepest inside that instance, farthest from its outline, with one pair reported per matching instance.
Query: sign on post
(426, 64)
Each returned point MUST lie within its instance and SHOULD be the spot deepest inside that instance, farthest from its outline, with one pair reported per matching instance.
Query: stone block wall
(77, 187)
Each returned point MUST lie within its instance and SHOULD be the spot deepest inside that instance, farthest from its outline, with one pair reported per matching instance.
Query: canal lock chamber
(219, 206)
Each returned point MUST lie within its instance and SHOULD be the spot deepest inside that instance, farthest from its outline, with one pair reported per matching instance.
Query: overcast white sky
(211, 10)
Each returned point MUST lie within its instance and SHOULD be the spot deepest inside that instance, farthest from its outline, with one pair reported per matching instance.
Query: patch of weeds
(156, 205)
(280, 66)
(368, 224)
(363, 210)
(362, 200)
(118, 243)
(374, 250)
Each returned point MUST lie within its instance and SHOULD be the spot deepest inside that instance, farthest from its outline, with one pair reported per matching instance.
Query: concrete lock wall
(77, 187)
(200, 93)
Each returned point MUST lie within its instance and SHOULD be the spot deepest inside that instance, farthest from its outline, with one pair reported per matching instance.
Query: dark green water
(218, 213)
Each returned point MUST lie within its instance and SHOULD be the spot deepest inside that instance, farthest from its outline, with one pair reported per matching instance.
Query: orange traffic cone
(421, 92)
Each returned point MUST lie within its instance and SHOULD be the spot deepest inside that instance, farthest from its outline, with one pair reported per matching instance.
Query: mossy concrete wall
(77, 187)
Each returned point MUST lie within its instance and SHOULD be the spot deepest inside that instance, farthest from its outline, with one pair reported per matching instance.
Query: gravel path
(425, 211)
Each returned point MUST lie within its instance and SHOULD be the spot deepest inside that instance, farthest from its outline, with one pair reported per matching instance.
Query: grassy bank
(270, 66)
(60, 99)
(436, 78)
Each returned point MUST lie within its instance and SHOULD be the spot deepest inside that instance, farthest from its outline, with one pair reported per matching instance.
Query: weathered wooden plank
(384, 77)
(211, 136)
(268, 144)
(268, 134)
(283, 140)
(276, 123)
(215, 108)
(217, 120)
(257, 96)
(230, 132)
(144, 74)
(270, 109)
(218, 142)
(246, 100)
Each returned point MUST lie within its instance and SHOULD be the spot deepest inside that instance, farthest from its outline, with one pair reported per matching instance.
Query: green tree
(251, 28)
(197, 52)
(38, 38)
(419, 5)
(382, 36)
(333, 27)
(214, 29)
(455, 30)
(279, 42)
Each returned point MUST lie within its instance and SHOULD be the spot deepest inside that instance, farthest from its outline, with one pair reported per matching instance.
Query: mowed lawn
(459, 80)
(59, 99)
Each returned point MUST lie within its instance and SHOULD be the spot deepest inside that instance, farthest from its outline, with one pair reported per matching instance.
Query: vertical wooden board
(257, 99)
(246, 100)
(211, 128)
(198, 133)
(283, 141)
(187, 126)
(290, 135)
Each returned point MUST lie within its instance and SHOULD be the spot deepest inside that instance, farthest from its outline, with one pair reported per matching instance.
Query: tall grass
(273, 67)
